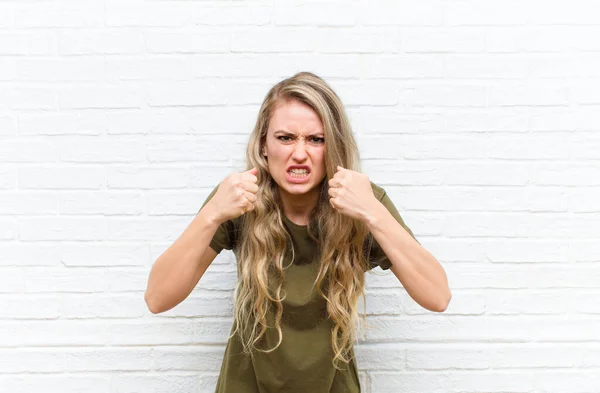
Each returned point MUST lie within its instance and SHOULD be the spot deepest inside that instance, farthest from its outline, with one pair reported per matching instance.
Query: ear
(264, 151)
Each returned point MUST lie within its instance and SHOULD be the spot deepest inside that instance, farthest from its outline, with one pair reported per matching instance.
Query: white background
(480, 118)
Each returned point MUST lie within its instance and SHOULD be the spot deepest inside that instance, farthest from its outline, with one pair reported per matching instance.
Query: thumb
(253, 171)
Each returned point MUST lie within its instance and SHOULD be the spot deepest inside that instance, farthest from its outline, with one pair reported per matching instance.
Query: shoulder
(378, 191)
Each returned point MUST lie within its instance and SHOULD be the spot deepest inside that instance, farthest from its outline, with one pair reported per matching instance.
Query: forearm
(418, 270)
(179, 268)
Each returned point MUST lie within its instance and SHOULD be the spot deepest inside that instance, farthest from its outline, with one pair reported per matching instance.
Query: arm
(177, 271)
(418, 270)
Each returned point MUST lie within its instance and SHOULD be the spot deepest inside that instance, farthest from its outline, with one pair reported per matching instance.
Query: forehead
(295, 116)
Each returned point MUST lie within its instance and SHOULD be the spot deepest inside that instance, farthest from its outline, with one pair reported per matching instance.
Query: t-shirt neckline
(293, 223)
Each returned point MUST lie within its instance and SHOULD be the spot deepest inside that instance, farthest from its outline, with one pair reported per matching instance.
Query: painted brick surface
(481, 119)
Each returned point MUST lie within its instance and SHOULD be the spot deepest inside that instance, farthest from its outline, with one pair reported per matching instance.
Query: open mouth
(298, 173)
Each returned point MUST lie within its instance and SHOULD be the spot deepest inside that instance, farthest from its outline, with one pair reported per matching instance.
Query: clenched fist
(236, 195)
(351, 194)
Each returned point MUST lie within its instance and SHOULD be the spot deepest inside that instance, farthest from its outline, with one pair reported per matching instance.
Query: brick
(27, 254)
(61, 177)
(188, 42)
(8, 126)
(472, 13)
(565, 174)
(28, 203)
(60, 69)
(98, 305)
(233, 15)
(584, 302)
(107, 203)
(8, 70)
(414, 172)
(99, 96)
(381, 12)
(580, 12)
(370, 40)
(415, 40)
(525, 302)
(554, 199)
(88, 14)
(584, 250)
(373, 93)
(491, 329)
(53, 333)
(506, 276)
(139, 68)
(131, 383)
(140, 177)
(62, 228)
(101, 149)
(62, 383)
(405, 66)
(186, 94)
(87, 123)
(105, 41)
(28, 98)
(442, 95)
(11, 280)
(27, 43)
(157, 14)
(187, 358)
(340, 14)
(520, 94)
(184, 120)
(374, 357)
(29, 307)
(382, 303)
(208, 148)
(28, 151)
(270, 40)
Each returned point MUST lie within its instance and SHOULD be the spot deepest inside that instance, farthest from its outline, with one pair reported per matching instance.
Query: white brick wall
(480, 118)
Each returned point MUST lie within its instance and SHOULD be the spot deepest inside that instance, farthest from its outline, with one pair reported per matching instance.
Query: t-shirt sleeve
(224, 236)
(377, 256)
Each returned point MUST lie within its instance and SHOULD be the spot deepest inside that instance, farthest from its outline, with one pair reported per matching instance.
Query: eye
(317, 140)
(284, 138)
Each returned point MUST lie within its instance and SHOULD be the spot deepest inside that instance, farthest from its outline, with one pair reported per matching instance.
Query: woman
(305, 225)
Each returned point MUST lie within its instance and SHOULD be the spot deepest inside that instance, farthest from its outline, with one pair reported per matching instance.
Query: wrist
(372, 215)
(211, 215)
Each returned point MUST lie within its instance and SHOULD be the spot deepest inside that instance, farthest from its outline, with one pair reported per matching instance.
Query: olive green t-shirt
(303, 361)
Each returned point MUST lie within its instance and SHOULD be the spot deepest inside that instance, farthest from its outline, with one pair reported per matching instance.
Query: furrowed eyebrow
(318, 135)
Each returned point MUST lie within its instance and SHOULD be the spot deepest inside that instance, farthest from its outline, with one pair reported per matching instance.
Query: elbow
(152, 304)
(443, 305)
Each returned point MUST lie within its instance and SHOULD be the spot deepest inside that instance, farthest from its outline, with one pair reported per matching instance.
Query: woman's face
(295, 148)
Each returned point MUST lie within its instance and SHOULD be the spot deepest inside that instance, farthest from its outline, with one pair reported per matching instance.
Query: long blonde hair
(264, 239)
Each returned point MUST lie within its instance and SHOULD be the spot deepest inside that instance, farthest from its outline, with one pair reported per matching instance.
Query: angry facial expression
(295, 148)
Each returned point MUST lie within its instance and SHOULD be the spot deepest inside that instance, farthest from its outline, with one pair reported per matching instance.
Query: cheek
(319, 158)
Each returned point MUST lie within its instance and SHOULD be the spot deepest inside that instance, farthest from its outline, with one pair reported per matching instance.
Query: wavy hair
(264, 240)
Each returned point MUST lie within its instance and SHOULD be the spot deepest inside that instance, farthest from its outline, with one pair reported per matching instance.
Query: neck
(298, 207)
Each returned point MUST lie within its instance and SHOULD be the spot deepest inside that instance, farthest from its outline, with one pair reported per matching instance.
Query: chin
(295, 189)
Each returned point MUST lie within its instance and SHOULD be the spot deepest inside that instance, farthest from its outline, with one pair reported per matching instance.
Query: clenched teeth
(298, 171)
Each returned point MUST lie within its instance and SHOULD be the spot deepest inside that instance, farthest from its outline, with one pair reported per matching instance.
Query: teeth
(301, 172)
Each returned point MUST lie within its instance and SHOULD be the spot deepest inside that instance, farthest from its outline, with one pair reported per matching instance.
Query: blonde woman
(305, 225)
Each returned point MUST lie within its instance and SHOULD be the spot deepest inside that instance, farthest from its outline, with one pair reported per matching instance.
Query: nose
(299, 153)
